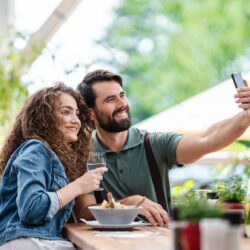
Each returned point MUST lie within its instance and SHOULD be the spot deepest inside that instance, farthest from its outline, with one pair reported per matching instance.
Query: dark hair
(37, 120)
(85, 87)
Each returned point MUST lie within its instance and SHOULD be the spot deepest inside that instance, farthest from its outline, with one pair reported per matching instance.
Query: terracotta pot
(190, 236)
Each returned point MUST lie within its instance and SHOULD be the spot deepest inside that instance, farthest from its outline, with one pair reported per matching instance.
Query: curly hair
(37, 120)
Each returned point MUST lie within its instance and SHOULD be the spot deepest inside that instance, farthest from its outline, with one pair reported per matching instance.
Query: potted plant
(247, 219)
(231, 194)
(195, 209)
(191, 210)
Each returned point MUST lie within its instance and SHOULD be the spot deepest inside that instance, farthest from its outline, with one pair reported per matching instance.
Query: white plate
(96, 224)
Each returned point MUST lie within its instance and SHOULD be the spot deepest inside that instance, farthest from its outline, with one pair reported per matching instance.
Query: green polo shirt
(129, 172)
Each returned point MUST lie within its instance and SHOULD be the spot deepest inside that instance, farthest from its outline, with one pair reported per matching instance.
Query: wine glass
(96, 160)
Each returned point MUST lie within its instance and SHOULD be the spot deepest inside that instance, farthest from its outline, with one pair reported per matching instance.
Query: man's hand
(243, 97)
(153, 211)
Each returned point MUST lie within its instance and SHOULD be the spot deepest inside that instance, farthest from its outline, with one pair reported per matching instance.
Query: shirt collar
(135, 137)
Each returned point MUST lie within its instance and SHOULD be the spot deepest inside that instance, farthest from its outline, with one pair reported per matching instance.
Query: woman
(42, 164)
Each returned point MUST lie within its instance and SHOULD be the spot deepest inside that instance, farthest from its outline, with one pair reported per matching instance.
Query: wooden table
(158, 238)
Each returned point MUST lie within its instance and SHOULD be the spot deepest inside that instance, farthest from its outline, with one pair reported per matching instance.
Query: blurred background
(170, 53)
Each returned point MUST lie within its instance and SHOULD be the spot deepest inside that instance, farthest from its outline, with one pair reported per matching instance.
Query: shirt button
(120, 171)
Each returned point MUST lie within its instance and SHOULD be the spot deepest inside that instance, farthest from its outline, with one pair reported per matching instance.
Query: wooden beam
(39, 39)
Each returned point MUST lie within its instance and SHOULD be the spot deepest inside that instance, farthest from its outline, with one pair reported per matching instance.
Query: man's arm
(219, 135)
(216, 137)
(153, 211)
(81, 206)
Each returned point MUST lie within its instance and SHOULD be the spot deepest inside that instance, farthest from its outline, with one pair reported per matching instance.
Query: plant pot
(247, 230)
(234, 207)
(190, 236)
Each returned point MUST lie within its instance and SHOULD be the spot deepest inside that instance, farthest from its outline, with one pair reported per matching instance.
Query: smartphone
(238, 80)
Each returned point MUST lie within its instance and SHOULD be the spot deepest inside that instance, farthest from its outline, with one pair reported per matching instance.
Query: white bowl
(115, 216)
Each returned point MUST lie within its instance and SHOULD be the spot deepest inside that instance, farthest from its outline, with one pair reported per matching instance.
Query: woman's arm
(86, 183)
(34, 170)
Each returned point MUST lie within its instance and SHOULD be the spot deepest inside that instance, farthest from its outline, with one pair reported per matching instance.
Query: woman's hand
(90, 181)
(84, 184)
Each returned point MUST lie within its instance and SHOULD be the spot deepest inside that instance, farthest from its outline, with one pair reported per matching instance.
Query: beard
(109, 124)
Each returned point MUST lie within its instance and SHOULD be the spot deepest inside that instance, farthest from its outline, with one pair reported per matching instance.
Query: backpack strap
(155, 173)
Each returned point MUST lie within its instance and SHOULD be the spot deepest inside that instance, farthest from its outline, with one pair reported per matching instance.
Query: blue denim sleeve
(33, 167)
(54, 205)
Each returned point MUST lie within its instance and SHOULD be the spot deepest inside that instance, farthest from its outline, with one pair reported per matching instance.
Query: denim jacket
(29, 205)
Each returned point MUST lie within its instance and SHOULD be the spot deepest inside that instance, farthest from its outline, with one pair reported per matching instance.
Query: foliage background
(166, 51)
(13, 91)
(170, 50)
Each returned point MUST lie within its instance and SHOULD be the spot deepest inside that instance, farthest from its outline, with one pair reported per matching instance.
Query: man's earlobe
(92, 114)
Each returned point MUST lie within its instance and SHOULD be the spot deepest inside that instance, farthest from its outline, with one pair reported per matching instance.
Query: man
(129, 177)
